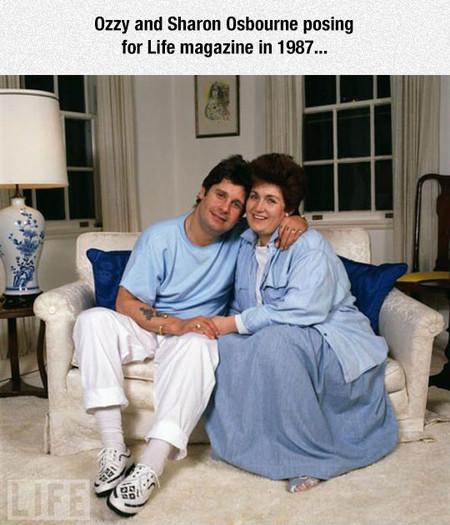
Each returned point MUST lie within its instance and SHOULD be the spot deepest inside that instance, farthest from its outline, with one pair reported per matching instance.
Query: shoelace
(106, 454)
(143, 474)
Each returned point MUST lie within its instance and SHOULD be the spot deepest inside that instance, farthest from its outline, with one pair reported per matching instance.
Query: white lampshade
(31, 141)
(32, 155)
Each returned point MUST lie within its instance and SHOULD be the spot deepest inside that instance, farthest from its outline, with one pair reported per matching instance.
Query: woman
(300, 392)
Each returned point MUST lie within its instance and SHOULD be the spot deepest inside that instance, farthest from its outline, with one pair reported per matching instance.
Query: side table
(15, 386)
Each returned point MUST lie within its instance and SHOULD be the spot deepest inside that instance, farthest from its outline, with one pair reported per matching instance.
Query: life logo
(48, 499)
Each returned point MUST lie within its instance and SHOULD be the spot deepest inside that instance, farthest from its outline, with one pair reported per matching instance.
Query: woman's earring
(286, 214)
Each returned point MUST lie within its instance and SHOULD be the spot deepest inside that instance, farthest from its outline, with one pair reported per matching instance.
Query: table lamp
(32, 155)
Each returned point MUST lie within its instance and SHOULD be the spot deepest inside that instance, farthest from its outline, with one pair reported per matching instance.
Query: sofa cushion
(138, 393)
(144, 370)
(394, 376)
(370, 285)
(108, 268)
(138, 386)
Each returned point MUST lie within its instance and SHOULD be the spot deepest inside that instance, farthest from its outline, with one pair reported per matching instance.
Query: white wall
(155, 147)
(382, 245)
(57, 265)
(171, 162)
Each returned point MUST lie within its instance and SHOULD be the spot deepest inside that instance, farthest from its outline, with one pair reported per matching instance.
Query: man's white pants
(184, 371)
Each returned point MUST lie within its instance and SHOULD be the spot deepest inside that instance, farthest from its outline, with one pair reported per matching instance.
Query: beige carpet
(410, 486)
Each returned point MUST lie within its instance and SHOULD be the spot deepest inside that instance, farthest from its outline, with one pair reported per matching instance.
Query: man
(179, 275)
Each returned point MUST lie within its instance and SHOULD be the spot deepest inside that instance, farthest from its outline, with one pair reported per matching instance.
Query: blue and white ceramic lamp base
(22, 233)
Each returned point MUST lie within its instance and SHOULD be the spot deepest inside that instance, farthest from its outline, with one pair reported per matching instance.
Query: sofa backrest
(106, 241)
(353, 243)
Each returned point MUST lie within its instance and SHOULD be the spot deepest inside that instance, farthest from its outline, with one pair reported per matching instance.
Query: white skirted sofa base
(408, 326)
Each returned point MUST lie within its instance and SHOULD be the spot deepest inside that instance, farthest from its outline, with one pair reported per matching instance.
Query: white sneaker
(113, 467)
(130, 496)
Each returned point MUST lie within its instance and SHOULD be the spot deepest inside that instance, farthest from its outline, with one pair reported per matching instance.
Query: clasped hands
(211, 327)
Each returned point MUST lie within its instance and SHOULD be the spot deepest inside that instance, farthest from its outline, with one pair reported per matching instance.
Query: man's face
(220, 208)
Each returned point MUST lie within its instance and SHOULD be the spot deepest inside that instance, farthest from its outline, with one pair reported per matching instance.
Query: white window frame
(380, 219)
(74, 227)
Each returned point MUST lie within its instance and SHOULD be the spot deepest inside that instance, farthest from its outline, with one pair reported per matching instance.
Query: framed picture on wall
(216, 106)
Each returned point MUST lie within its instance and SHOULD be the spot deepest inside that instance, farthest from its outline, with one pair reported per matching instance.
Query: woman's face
(265, 210)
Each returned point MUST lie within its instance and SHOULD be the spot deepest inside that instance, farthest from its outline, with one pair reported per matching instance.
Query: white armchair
(408, 326)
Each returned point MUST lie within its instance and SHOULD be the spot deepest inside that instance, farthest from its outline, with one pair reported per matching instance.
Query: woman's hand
(290, 230)
(225, 325)
(199, 325)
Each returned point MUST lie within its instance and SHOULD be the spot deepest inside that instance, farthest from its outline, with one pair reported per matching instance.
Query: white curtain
(116, 153)
(284, 115)
(415, 119)
(7, 82)
(27, 329)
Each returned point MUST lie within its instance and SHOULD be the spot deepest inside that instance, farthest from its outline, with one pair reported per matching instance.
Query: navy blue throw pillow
(108, 268)
(370, 285)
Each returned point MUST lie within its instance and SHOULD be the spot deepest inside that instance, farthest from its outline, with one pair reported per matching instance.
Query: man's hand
(148, 318)
(290, 230)
(199, 325)
(225, 325)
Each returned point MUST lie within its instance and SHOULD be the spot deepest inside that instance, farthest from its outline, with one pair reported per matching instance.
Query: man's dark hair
(235, 169)
(284, 172)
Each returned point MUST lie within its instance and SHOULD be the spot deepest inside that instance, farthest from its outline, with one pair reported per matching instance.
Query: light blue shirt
(179, 278)
(307, 285)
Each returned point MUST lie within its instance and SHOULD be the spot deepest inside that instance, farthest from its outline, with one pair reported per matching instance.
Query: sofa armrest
(59, 308)
(409, 328)
(64, 302)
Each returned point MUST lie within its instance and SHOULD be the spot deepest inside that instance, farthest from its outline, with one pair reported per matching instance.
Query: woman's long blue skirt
(281, 407)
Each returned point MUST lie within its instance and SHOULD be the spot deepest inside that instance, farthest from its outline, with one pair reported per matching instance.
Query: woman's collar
(251, 237)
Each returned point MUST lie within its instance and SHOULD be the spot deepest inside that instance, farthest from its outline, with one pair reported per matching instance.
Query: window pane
(353, 133)
(383, 185)
(383, 86)
(318, 136)
(81, 195)
(42, 82)
(356, 87)
(320, 90)
(383, 136)
(28, 198)
(51, 203)
(78, 143)
(354, 186)
(319, 188)
(71, 93)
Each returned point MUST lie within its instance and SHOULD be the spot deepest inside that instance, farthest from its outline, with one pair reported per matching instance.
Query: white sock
(156, 454)
(109, 422)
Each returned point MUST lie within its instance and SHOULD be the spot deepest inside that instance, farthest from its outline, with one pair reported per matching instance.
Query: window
(347, 147)
(77, 205)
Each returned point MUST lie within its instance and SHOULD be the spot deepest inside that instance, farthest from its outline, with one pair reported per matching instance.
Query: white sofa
(408, 326)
